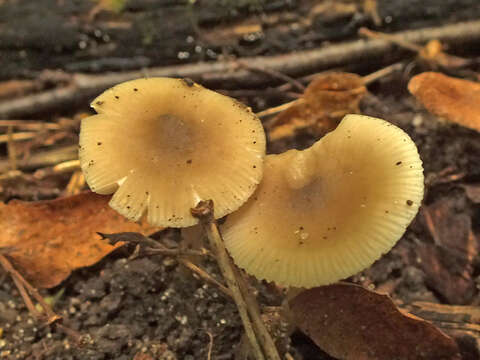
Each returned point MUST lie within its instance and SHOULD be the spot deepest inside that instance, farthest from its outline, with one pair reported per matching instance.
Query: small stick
(19, 280)
(210, 345)
(267, 342)
(276, 109)
(12, 154)
(75, 184)
(275, 74)
(153, 247)
(30, 125)
(391, 38)
(206, 276)
(368, 79)
(17, 136)
(204, 212)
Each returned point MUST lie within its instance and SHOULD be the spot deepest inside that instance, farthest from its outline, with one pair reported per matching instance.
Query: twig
(12, 154)
(254, 310)
(210, 345)
(277, 109)
(17, 136)
(275, 74)
(24, 284)
(204, 212)
(30, 125)
(368, 79)
(44, 158)
(66, 166)
(75, 184)
(153, 247)
(206, 276)
(395, 39)
(218, 73)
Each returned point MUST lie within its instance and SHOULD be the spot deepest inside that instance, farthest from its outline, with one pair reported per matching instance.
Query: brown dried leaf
(432, 53)
(473, 192)
(52, 238)
(448, 262)
(352, 323)
(326, 100)
(455, 99)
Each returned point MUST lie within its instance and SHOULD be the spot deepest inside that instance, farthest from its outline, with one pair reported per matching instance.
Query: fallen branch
(219, 74)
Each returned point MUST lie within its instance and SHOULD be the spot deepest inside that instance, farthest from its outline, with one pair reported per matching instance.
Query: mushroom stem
(204, 212)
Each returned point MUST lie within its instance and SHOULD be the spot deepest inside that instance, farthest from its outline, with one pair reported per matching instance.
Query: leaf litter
(352, 323)
(49, 239)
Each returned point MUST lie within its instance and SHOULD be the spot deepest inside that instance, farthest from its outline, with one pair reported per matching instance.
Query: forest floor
(153, 307)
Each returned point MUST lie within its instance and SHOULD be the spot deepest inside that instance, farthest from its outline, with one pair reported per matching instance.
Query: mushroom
(328, 212)
(161, 145)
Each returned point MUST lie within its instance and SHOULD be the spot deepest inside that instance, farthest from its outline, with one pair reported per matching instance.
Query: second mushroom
(328, 212)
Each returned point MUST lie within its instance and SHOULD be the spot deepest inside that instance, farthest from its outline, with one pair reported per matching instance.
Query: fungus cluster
(319, 215)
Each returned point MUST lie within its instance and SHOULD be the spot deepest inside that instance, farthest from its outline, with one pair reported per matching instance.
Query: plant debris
(326, 101)
(352, 323)
(457, 100)
(49, 239)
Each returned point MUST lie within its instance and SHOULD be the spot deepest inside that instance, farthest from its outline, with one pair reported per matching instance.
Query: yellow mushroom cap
(163, 144)
(328, 212)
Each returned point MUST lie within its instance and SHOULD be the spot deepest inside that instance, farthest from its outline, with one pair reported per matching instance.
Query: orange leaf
(326, 100)
(352, 323)
(455, 99)
(52, 238)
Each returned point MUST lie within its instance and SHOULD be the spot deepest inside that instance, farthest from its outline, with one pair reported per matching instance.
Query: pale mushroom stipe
(161, 145)
(325, 213)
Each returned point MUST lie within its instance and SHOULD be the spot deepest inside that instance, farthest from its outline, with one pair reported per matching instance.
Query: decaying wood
(227, 75)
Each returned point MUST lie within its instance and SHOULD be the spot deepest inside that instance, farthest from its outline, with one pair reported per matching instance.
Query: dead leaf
(52, 238)
(326, 100)
(352, 323)
(473, 192)
(455, 99)
(448, 263)
(432, 53)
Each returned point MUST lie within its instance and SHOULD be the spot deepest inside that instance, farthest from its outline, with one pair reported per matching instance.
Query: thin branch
(368, 79)
(274, 74)
(257, 335)
(206, 276)
(210, 345)
(254, 310)
(395, 39)
(17, 136)
(215, 74)
(12, 153)
(23, 284)
(277, 109)
(43, 158)
(30, 125)
(204, 212)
